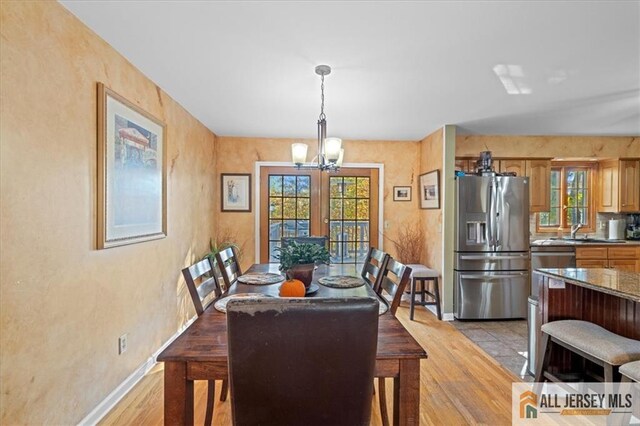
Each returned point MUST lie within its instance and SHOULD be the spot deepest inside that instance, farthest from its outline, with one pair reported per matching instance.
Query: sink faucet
(575, 229)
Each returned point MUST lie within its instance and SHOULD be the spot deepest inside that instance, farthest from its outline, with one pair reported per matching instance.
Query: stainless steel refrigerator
(491, 247)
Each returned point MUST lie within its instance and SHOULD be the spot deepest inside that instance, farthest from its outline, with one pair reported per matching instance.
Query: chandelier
(330, 151)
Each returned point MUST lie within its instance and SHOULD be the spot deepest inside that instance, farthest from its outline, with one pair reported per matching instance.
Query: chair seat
(421, 271)
(631, 370)
(595, 341)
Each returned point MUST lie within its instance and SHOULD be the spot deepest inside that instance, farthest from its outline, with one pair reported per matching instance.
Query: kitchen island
(607, 297)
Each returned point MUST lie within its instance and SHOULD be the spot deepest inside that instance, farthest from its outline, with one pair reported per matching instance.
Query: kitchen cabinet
(464, 165)
(629, 186)
(620, 258)
(539, 173)
(619, 186)
(515, 165)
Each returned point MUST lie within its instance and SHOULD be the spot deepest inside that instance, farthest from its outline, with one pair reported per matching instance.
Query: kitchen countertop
(611, 281)
(578, 242)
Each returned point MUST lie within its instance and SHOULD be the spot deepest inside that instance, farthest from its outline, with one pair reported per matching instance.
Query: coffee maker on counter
(633, 227)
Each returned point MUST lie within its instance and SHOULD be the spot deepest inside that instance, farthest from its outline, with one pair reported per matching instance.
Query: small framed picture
(430, 190)
(236, 192)
(401, 193)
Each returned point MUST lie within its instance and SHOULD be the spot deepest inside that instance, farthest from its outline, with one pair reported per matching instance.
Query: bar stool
(630, 372)
(420, 274)
(589, 341)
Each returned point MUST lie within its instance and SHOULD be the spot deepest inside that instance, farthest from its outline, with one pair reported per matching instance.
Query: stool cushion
(631, 370)
(595, 341)
(421, 271)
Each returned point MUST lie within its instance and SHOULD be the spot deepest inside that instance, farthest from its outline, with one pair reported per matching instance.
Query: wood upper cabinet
(517, 166)
(539, 173)
(619, 186)
(608, 186)
(629, 186)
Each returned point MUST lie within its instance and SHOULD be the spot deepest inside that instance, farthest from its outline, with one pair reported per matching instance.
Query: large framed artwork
(430, 190)
(132, 172)
(236, 192)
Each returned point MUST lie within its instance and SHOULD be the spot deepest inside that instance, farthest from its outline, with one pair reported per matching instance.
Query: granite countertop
(611, 281)
(581, 242)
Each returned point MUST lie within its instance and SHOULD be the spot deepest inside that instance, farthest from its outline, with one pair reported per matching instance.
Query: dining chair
(302, 361)
(229, 265)
(373, 267)
(394, 279)
(204, 288)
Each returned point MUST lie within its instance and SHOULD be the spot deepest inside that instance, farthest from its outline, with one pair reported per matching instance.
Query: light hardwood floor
(459, 384)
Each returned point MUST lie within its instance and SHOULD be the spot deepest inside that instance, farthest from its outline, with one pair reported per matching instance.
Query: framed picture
(132, 173)
(401, 193)
(236, 192)
(430, 190)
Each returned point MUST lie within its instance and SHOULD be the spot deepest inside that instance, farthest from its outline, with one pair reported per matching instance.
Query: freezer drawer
(491, 295)
(492, 261)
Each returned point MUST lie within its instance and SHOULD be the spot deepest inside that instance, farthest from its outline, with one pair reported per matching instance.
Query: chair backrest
(203, 289)
(302, 361)
(395, 278)
(229, 265)
(373, 267)
(321, 241)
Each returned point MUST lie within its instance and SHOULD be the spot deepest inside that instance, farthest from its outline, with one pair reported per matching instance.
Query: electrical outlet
(122, 343)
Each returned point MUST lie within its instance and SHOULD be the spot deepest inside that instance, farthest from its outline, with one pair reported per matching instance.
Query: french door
(341, 205)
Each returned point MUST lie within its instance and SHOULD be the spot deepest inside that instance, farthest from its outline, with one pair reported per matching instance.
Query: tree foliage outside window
(571, 200)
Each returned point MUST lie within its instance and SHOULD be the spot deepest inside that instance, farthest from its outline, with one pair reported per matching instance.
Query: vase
(302, 272)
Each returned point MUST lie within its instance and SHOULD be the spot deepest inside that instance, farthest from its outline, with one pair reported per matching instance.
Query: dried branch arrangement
(409, 243)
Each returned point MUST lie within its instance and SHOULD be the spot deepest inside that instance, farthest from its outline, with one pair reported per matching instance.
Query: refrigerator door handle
(493, 277)
(506, 257)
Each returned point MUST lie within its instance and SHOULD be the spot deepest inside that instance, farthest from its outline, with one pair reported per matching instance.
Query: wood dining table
(200, 352)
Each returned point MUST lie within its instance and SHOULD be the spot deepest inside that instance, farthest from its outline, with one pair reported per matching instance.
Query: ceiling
(400, 69)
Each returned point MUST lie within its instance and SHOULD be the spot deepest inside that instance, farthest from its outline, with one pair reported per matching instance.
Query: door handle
(553, 255)
(492, 277)
(522, 256)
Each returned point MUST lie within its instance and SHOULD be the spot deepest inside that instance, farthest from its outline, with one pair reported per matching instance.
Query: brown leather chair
(204, 290)
(302, 361)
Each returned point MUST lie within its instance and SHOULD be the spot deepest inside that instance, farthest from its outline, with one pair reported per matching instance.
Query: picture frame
(401, 193)
(235, 192)
(132, 173)
(430, 190)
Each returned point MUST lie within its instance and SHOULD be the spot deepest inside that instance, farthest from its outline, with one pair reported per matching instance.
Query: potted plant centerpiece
(298, 260)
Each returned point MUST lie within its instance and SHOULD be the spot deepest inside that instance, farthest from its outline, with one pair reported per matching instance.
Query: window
(572, 198)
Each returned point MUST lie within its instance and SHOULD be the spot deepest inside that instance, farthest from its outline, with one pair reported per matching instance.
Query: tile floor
(505, 341)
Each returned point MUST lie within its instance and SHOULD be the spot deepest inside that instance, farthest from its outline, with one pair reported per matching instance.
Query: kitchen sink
(590, 240)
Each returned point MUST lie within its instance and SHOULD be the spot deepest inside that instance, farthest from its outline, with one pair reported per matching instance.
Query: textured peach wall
(431, 159)
(400, 159)
(548, 146)
(63, 303)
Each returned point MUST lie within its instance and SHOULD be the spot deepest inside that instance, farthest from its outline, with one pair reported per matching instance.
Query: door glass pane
(304, 186)
(303, 208)
(350, 187)
(303, 228)
(272, 250)
(275, 185)
(363, 187)
(275, 207)
(349, 209)
(335, 207)
(289, 228)
(275, 229)
(289, 186)
(289, 208)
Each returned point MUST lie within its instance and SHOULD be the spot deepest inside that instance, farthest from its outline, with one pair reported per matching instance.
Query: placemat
(260, 278)
(341, 281)
(221, 304)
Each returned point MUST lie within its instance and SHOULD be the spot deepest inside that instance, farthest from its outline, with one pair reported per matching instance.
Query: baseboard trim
(125, 387)
(434, 311)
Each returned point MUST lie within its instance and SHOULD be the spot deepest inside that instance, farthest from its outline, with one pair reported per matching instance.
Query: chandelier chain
(322, 116)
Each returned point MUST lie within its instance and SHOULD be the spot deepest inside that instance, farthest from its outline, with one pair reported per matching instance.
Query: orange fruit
(292, 288)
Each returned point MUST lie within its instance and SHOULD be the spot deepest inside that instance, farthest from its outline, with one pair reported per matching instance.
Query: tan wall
(63, 303)
(238, 155)
(548, 146)
(431, 159)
